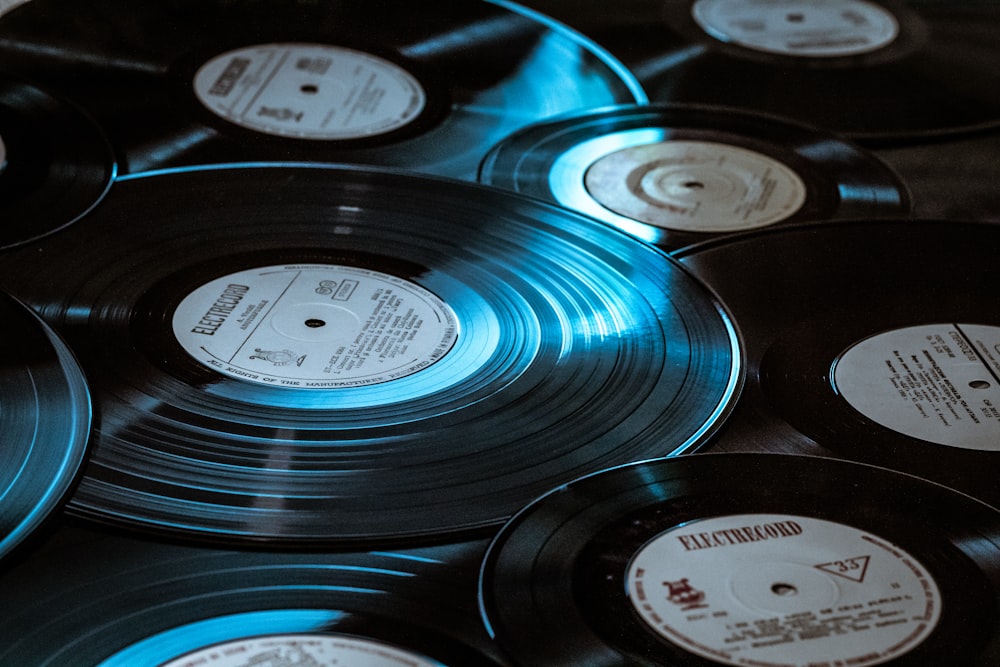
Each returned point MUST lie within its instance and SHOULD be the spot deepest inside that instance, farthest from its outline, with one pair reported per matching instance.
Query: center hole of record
(783, 589)
(979, 384)
(694, 185)
(795, 17)
(315, 323)
(309, 88)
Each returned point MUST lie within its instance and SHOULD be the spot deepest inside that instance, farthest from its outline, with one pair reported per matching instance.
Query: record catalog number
(314, 326)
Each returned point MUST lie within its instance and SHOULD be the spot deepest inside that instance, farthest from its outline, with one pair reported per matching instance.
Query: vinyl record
(875, 341)
(674, 175)
(389, 83)
(108, 600)
(747, 559)
(869, 69)
(55, 163)
(328, 354)
(45, 417)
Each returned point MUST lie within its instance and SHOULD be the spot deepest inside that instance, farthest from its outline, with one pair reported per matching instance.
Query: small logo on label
(849, 568)
(684, 594)
(278, 357)
(234, 70)
(283, 114)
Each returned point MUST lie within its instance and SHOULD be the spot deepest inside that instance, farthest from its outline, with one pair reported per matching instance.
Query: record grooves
(55, 163)
(44, 423)
(329, 355)
(747, 559)
(677, 174)
(422, 88)
(116, 601)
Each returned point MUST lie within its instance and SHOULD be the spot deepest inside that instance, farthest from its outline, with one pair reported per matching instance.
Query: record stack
(494, 334)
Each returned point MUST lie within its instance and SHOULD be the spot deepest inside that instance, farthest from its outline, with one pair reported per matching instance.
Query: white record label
(305, 650)
(314, 326)
(818, 28)
(695, 186)
(309, 91)
(783, 590)
(937, 382)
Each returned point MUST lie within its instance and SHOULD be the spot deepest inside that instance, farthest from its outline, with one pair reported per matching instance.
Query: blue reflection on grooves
(668, 61)
(623, 73)
(155, 650)
(226, 165)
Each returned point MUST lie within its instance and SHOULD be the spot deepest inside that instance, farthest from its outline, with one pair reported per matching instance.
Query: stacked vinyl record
(115, 600)
(55, 163)
(737, 559)
(427, 88)
(877, 70)
(326, 355)
(45, 418)
(674, 175)
(876, 341)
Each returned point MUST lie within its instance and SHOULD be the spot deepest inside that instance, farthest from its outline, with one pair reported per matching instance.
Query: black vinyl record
(389, 83)
(876, 340)
(45, 418)
(747, 559)
(89, 598)
(869, 69)
(55, 163)
(325, 354)
(674, 175)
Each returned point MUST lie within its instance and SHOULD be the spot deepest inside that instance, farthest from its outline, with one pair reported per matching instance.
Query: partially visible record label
(3, 155)
(820, 28)
(314, 326)
(309, 91)
(303, 650)
(695, 186)
(938, 382)
(780, 590)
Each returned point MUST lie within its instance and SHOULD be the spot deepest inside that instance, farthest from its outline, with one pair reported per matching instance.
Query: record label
(3, 155)
(314, 326)
(771, 589)
(695, 186)
(937, 382)
(302, 649)
(827, 28)
(309, 91)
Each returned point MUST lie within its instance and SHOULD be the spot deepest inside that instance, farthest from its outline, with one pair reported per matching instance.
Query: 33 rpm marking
(823, 28)
(937, 382)
(302, 649)
(309, 91)
(314, 326)
(695, 186)
(771, 589)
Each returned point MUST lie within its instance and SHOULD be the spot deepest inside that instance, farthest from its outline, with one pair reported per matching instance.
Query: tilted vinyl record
(876, 340)
(329, 354)
(422, 87)
(115, 601)
(45, 417)
(869, 69)
(55, 163)
(740, 559)
(673, 175)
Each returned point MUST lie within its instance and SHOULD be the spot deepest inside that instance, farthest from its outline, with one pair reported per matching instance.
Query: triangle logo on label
(848, 568)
